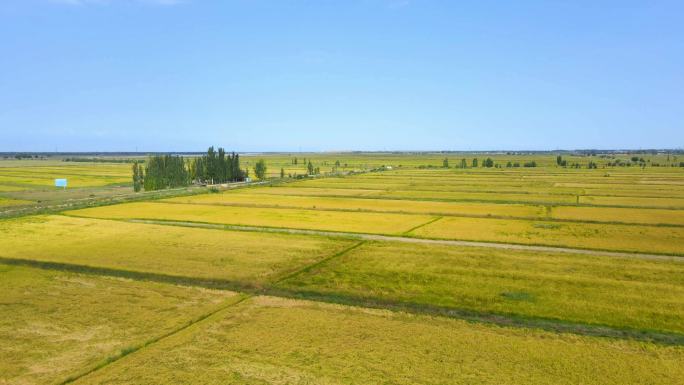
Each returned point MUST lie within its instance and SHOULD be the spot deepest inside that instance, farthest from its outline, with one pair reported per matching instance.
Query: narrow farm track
(389, 238)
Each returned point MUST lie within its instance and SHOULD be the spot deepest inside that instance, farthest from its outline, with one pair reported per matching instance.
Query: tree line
(171, 171)
(161, 172)
(217, 167)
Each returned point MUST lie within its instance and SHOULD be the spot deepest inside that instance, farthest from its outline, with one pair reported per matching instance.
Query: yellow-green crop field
(27, 182)
(624, 292)
(375, 223)
(634, 238)
(407, 274)
(56, 325)
(269, 340)
(11, 202)
(612, 237)
(351, 204)
(80, 175)
(229, 256)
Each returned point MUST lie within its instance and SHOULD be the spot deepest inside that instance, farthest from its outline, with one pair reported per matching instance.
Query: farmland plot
(267, 340)
(54, 324)
(376, 223)
(238, 258)
(629, 293)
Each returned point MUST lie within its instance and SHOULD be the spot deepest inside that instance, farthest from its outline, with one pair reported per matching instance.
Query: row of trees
(161, 172)
(170, 171)
(488, 162)
(217, 167)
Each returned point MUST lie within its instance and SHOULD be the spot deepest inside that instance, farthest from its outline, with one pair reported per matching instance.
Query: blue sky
(252, 75)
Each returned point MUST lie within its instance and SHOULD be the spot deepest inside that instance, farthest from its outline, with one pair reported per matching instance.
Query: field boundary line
(408, 239)
(240, 297)
(433, 220)
(316, 264)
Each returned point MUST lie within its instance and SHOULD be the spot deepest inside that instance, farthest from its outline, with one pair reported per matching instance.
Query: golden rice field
(55, 325)
(376, 223)
(627, 292)
(351, 204)
(633, 238)
(613, 237)
(364, 278)
(89, 175)
(254, 198)
(268, 340)
(229, 256)
(11, 202)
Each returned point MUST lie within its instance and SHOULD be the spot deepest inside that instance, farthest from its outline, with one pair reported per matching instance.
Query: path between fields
(390, 238)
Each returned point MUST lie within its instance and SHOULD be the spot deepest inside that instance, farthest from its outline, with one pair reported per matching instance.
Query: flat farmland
(664, 202)
(614, 237)
(623, 293)
(576, 234)
(32, 182)
(375, 223)
(55, 325)
(380, 205)
(618, 215)
(267, 340)
(81, 175)
(415, 274)
(238, 258)
(11, 202)
(281, 198)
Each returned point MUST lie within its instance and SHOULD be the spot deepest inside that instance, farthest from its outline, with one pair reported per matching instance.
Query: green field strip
(133, 349)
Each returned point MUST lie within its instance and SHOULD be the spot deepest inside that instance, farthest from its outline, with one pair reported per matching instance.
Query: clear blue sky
(253, 75)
